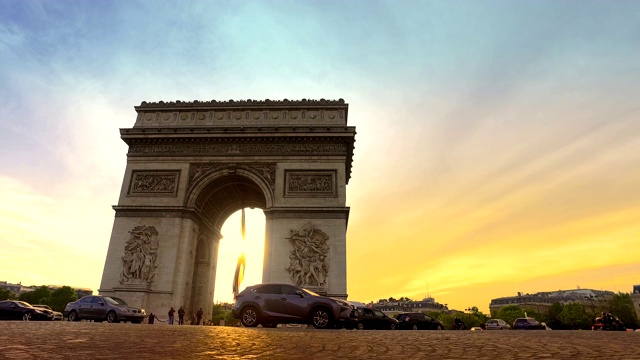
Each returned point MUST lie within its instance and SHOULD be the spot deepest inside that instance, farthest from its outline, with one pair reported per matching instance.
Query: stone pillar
(303, 247)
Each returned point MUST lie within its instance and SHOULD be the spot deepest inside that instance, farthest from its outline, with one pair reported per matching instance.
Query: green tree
(621, 306)
(574, 317)
(510, 313)
(61, 297)
(392, 299)
(553, 316)
(229, 320)
(40, 295)
(6, 294)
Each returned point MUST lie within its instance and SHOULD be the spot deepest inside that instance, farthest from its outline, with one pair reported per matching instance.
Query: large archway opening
(232, 246)
(220, 203)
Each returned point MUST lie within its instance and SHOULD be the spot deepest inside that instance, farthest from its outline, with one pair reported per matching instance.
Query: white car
(56, 314)
(497, 324)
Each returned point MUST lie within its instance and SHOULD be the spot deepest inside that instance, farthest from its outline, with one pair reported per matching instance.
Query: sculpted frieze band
(240, 149)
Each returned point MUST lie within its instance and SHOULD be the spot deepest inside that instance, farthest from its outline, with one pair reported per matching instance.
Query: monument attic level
(190, 165)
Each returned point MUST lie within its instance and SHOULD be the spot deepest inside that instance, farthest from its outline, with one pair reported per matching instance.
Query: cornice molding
(239, 103)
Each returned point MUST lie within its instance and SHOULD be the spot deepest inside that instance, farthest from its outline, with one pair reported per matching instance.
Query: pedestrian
(171, 312)
(181, 316)
(200, 313)
(151, 318)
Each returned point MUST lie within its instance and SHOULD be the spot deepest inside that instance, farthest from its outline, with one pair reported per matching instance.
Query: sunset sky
(497, 147)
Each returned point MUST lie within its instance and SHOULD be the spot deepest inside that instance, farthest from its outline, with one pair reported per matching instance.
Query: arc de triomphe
(190, 165)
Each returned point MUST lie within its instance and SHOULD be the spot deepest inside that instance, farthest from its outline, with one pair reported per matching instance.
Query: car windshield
(114, 300)
(42, 306)
(23, 304)
(309, 292)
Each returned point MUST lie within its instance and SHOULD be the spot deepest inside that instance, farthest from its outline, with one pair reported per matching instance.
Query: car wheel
(27, 316)
(360, 326)
(320, 318)
(73, 316)
(440, 327)
(112, 317)
(249, 317)
(414, 327)
(392, 326)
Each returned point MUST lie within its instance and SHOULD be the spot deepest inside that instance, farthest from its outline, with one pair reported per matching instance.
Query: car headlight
(341, 302)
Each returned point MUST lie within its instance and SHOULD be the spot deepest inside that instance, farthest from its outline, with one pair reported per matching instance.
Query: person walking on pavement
(199, 314)
(181, 316)
(171, 312)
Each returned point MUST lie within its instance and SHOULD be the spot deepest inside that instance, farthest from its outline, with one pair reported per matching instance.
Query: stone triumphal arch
(190, 165)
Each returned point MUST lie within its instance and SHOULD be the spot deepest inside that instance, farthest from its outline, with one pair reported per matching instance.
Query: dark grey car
(100, 308)
(273, 304)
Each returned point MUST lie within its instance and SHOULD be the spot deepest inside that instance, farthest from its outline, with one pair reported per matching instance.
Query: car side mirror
(101, 303)
(299, 293)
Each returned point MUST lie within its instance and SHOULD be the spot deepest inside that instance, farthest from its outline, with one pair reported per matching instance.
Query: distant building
(541, 301)
(14, 288)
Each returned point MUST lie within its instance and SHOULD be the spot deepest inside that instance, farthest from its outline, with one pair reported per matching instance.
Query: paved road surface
(88, 340)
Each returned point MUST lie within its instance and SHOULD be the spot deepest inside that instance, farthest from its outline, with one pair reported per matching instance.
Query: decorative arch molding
(202, 175)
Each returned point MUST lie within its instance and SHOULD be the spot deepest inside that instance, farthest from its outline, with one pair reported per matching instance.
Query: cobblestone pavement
(88, 340)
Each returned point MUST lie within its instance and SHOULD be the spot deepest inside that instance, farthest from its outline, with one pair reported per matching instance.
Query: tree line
(56, 299)
(572, 316)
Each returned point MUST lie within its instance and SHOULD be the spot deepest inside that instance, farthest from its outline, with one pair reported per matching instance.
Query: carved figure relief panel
(310, 183)
(140, 259)
(154, 183)
(308, 265)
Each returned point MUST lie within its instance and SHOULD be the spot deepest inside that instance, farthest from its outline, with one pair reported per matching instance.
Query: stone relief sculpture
(308, 257)
(310, 183)
(145, 183)
(140, 259)
(248, 149)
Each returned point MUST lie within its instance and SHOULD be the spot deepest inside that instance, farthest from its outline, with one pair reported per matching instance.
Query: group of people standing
(195, 319)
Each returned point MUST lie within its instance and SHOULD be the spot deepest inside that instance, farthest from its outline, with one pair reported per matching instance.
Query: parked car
(56, 314)
(418, 321)
(271, 304)
(528, 323)
(20, 310)
(370, 319)
(497, 324)
(99, 308)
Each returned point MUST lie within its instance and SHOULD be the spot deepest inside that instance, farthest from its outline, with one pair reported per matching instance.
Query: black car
(371, 319)
(418, 321)
(528, 323)
(20, 310)
(272, 304)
